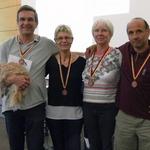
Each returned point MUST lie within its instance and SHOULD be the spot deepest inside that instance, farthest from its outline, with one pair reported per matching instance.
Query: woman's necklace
(64, 83)
(134, 83)
(23, 54)
(92, 71)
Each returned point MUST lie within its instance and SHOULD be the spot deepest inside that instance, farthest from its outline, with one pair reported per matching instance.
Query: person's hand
(89, 51)
(22, 81)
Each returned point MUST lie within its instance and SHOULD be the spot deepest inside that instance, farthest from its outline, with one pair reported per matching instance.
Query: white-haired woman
(101, 76)
(64, 110)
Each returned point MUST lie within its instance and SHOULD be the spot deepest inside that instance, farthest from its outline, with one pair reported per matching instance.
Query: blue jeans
(26, 123)
(100, 122)
(65, 134)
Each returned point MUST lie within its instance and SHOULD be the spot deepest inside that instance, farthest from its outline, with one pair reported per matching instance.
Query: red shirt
(134, 101)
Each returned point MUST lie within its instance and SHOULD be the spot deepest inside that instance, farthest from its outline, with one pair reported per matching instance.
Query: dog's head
(12, 68)
(6, 70)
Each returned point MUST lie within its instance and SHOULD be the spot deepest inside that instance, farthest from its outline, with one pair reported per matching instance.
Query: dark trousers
(65, 133)
(26, 123)
(100, 122)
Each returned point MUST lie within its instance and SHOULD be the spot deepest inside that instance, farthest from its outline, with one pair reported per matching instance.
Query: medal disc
(64, 92)
(134, 84)
(91, 82)
(22, 61)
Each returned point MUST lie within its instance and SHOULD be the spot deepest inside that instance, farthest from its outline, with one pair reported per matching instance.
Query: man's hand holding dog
(21, 81)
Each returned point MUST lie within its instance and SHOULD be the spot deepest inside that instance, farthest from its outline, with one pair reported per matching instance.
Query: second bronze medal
(64, 83)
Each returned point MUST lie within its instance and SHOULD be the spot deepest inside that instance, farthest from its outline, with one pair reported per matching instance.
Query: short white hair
(106, 22)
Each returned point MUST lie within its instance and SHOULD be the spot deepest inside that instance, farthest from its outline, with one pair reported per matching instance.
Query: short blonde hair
(62, 28)
(106, 22)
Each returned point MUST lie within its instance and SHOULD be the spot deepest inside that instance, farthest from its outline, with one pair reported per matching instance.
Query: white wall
(82, 33)
(138, 8)
(78, 15)
(29, 2)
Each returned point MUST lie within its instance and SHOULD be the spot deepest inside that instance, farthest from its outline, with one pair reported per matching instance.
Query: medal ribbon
(135, 76)
(99, 62)
(26, 52)
(64, 83)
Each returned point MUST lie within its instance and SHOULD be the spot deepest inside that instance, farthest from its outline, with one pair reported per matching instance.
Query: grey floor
(3, 136)
(4, 140)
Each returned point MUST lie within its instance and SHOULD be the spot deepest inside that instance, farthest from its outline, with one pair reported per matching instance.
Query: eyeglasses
(67, 38)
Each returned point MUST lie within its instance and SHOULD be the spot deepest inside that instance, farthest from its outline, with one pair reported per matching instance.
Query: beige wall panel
(5, 35)
(8, 18)
(8, 10)
(9, 3)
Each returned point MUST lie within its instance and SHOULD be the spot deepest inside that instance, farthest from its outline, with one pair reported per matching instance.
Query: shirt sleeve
(54, 49)
(3, 52)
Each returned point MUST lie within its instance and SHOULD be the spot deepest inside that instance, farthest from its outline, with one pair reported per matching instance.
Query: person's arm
(53, 47)
(21, 81)
(3, 53)
(89, 51)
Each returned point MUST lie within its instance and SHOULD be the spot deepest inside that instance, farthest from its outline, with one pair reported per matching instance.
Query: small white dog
(15, 94)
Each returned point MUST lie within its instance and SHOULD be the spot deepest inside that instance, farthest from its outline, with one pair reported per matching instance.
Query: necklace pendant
(22, 61)
(64, 92)
(134, 84)
(90, 82)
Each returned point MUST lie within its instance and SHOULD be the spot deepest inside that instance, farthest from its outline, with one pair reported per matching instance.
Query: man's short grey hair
(106, 22)
(27, 8)
(142, 19)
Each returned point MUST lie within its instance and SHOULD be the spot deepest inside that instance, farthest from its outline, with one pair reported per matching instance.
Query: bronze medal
(24, 53)
(64, 83)
(21, 61)
(91, 82)
(135, 76)
(91, 79)
(134, 84)
(64, 92)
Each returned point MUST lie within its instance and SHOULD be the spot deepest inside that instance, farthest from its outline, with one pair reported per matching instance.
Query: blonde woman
(64, 109)
(101, 76)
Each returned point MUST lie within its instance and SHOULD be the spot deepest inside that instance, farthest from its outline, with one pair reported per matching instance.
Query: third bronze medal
(134, 83)
(91, 79)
